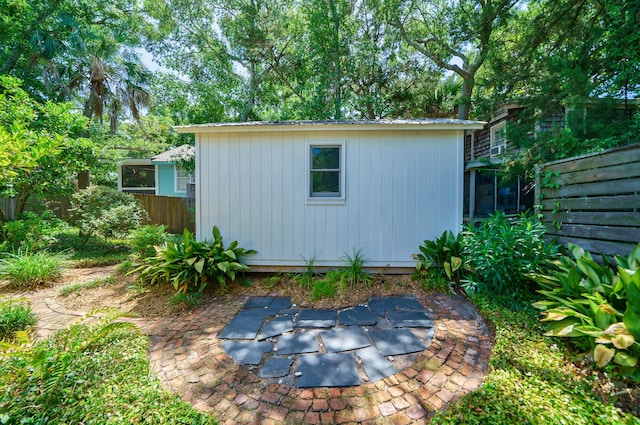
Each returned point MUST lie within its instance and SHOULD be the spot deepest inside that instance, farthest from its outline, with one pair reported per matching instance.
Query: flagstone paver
(187, 356)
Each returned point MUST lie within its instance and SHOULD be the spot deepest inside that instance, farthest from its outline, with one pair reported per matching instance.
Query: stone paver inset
(358, 315)
(409, 319)
(306, 342)
(391, 342)
(375, 364)
(327, 370)
(344, 339)
(187, 356)
(247, 352)
(275, 327)
(316, 318)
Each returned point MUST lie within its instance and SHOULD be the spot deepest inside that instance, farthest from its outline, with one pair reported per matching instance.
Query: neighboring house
(157, 175)
(484, 190)
(296, 191)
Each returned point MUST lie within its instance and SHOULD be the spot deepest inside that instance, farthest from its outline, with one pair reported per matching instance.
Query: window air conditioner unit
(496, 150)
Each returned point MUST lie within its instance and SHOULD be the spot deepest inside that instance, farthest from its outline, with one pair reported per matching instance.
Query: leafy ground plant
(595, 306)
(29, 269)
(189, 265)
(98, 371)
(32, 232)
(444, 254)
(15, 315)
(531, 381)
(502, 253)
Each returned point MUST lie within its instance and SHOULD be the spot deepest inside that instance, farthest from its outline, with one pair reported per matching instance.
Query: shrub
(31, 268)
(595, 306)
(502, 253)
(444, 254)
(189, 265)
(95, 373)
(105, 212)
(145, 239)
(15, 315)
(33, 232)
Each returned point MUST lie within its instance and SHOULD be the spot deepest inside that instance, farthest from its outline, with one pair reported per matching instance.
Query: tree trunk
(84, 179)
(11, 61)
(465, 98)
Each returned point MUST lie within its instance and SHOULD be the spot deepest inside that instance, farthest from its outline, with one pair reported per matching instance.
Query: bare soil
(155, 301)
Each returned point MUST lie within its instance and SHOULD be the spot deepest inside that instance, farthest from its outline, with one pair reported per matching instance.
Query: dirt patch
(122, 293)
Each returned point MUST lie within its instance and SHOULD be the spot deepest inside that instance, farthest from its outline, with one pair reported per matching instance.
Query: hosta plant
(189, 265)
(444, 253)
(595, 305)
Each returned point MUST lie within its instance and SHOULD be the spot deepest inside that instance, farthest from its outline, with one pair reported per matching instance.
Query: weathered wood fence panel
(593, 200)
(173, 212)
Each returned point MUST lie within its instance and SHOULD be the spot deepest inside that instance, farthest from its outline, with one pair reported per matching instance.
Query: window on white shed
(182, 178)
(326, 171)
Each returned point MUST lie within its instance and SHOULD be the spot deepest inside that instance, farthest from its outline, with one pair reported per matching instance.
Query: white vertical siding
(401, 187)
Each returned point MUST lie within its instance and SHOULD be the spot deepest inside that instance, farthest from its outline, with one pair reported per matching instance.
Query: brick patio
(189, 360)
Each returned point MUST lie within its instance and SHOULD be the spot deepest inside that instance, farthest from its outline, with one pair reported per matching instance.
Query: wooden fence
(175, 213)
(593, 200)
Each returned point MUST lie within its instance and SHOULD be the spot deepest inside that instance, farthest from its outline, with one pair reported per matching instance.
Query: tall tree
(457, 35)
(47, 136)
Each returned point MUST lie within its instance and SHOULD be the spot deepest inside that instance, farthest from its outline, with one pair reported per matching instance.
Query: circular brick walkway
(188, 358)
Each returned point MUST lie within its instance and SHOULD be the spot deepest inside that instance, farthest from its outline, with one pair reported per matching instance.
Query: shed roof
(395, 124)
(184, 151)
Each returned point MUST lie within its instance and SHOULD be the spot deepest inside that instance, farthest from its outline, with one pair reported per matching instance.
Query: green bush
(15, 315)
(31, 268)
(32, 232)
(145, 239)
(105, 212)
(95, 373)
(597, 307)
(189, 265)
(502, 253)
(444, 254)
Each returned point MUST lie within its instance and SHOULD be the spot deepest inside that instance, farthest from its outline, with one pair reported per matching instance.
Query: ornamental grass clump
(30, 269)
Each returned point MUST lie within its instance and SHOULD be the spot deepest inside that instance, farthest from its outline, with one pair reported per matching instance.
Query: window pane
(325, 158)
(138, 176)
(181, 180)
(325, 182)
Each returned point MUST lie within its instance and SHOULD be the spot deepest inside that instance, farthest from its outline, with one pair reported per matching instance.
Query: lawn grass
(93, 252)
(91, 375)
(531, 381)
(65, 291)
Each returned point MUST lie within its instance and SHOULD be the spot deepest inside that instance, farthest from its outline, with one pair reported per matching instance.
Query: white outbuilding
(299, 190)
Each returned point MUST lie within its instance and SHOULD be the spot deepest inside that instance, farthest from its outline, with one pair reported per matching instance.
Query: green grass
(531, 380)
(65, 291)
(31, 269)
(15, 315)
(97, 374)
(94, 252)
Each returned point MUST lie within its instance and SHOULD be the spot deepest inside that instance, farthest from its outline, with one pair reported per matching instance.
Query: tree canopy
(238, 60)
